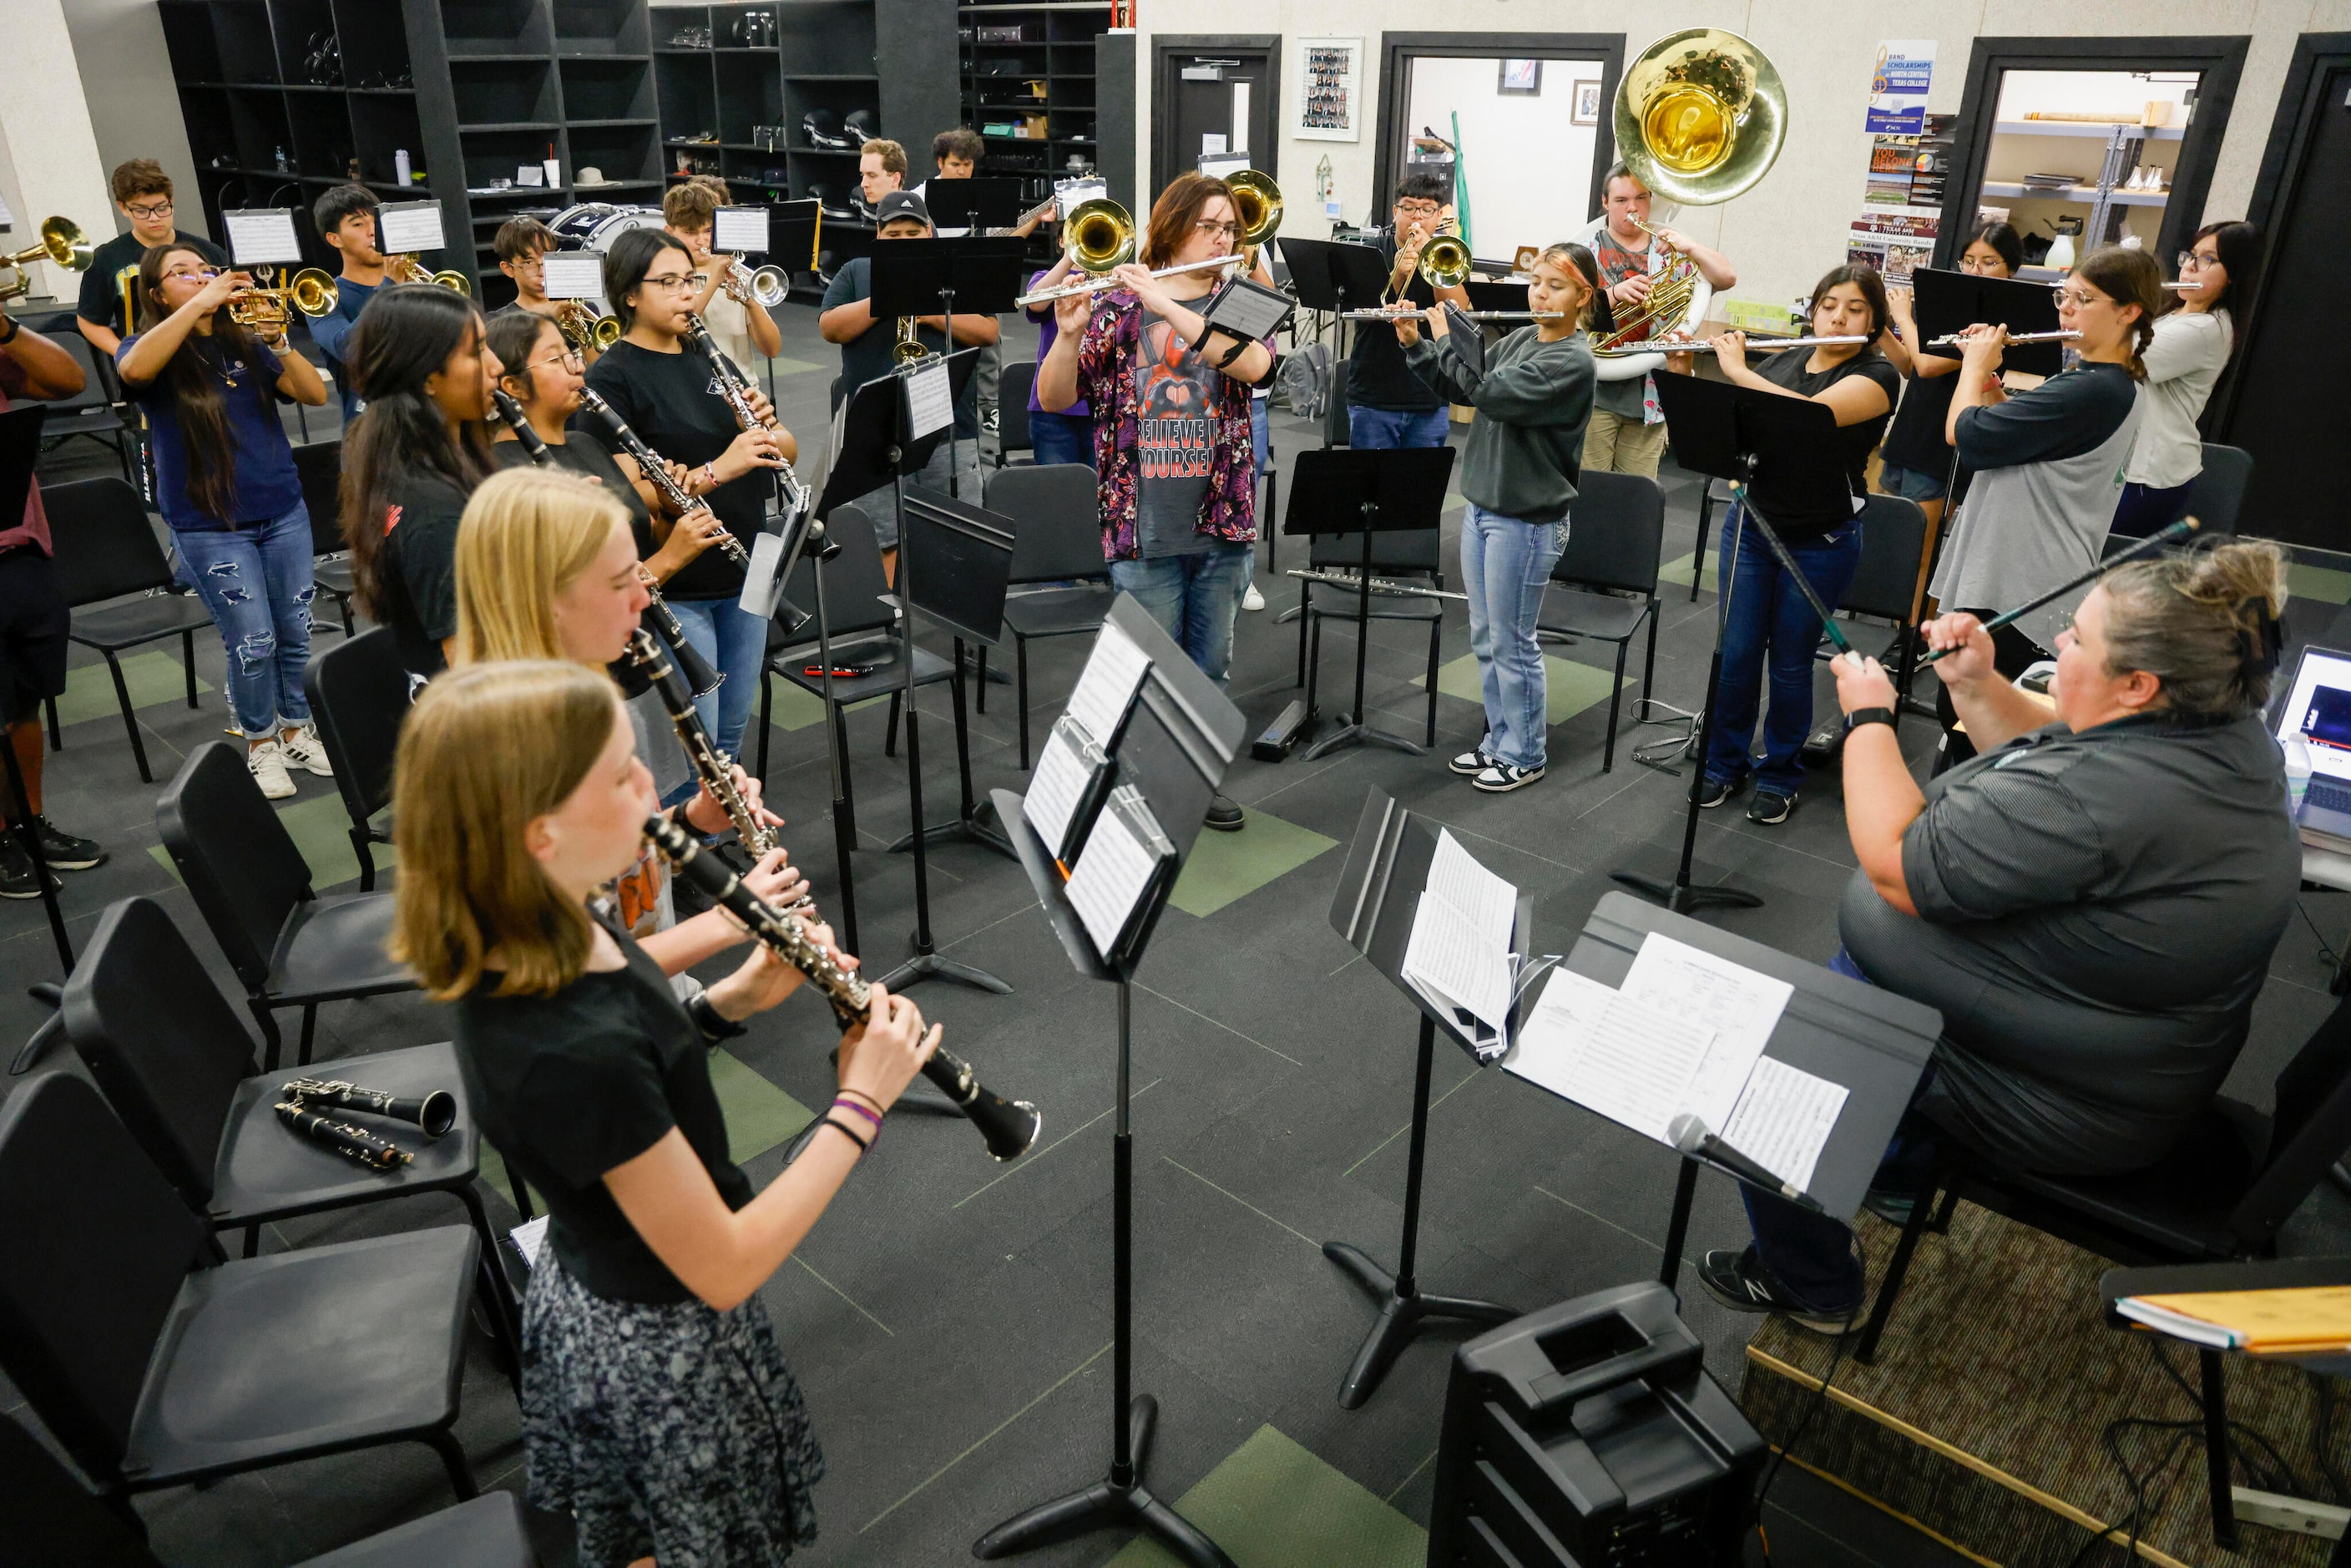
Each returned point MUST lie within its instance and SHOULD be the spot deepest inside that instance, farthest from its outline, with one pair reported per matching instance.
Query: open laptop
(2318, 707)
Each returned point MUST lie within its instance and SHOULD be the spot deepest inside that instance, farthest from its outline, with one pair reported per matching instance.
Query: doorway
(1211, 96)
(2302, 462)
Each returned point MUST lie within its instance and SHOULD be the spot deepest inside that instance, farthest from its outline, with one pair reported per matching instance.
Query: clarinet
(736, 387)
(433, 1113)
(649, 463)
(348, 1139)
(691, 664)
(709, 766)
(1008, 1126)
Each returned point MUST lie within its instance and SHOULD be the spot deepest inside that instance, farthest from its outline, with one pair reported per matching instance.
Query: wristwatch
(1862, 715)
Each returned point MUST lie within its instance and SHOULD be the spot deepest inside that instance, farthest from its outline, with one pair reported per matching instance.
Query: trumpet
(1354, 584)
(432, 1113)
(1700, 346)
(62, 243)
(649, 463)
(1958, 339)
(1010, 1126)
(736, 387)
(767, 286)
(583, 327)
(266, 309)
(408, 269)
(909, 348)
(1096, 285)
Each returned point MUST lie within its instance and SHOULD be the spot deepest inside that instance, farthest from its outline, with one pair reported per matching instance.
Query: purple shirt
(1048, 330)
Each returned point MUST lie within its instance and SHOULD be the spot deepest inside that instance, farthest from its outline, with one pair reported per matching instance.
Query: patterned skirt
(672, 1432)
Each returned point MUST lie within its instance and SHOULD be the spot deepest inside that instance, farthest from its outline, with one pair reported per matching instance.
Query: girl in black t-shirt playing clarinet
(657, 1409)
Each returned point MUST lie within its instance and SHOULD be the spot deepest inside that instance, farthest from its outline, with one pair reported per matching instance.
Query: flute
(691, 664)
(2163, 536)
(736, 387)
(1010, 1126)
(1096, 285)
(1378, 314)
(1698, 346)
(649, 463)
(1958, 339)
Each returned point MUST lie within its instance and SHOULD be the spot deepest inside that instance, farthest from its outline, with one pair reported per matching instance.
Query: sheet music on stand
(1126, 856)
(1106, 687)
(1458, 956)
(1067, 788)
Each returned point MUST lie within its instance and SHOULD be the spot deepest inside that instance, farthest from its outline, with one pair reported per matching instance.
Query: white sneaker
(266, 762)
(304, 751)
(1251, 599)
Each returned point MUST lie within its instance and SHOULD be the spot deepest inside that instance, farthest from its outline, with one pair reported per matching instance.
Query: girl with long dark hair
(1918, 462)
(225, 479)
(412, 457)
(2195, 332)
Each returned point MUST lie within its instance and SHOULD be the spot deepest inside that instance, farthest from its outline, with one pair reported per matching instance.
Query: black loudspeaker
(1589, 1434)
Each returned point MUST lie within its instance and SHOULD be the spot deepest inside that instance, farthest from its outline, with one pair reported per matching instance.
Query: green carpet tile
(1226, 866)
(785, 366)
(153, 677)
(1271, 1504)
(1569, 687)
(795, 709)
(2322, 582)
(1678, 570)
(321, 830)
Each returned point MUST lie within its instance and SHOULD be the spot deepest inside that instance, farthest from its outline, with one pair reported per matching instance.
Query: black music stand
(1949, 302)
(1729, 432)
(1379, 892)
(977, 205)
(1337, 276)
(1178, 743)
(20, 450)
(1848, 1031)
(971, 277)
(1380, 491)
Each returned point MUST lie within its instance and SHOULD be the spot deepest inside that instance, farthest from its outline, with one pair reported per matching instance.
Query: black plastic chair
(1013, 390)
(359, 696)
(2223, 1192)
(290, 946)
(168, 1051)
(1616, 531)
(97, 413)
(1057, 540)
(2213, 501)
(51, 1518)
(1405, 553)
(1889, 583)
(1707, 502)
(319, 466)
(152, 1369)
(106, 549)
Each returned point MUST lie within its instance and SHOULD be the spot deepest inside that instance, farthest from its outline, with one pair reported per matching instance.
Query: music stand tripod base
(1108, 1504)
(1401, 1316)
(1682, 897)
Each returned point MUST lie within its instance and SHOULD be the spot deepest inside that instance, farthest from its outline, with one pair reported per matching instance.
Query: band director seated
(2091, 903)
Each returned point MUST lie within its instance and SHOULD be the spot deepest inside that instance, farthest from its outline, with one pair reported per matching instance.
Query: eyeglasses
(2078, 299)
(560, 357)
(1418, 210)
(2197, 261)
(1229, 231)
(200, 275)
(149, 214)
(675, 283)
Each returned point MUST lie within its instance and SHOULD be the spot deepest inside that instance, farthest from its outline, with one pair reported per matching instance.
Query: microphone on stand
(1690, 1136)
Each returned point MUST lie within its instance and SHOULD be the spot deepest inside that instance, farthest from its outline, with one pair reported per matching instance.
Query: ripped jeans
(256, 580)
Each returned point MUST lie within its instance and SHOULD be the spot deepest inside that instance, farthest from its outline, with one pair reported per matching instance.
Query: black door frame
(1165, 49)
(2221, 60)
(1397, 50)
(2278, 189)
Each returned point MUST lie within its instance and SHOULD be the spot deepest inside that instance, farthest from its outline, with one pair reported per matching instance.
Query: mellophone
(306, 1103)
(1008, 1126)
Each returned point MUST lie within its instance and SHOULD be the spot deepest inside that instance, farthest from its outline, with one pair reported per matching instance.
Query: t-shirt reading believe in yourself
(1172, 450)
(673, 402)
(419, 570)
(570, 1086)
(1808, 510)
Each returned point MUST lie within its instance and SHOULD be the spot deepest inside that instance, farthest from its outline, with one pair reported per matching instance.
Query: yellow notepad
(2264, 1322)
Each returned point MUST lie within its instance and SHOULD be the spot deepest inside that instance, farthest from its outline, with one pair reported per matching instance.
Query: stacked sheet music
(1683, 1036)
(1460, 956)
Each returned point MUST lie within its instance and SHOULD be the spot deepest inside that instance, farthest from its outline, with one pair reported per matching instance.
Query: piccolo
(1700, 346)
(1096, 285)
(691, 664)
(1958, 339)
(1008, 1126)
(2163, 536)
(649, 463)
(433, 1113)
(735, 387)
(1354, 584)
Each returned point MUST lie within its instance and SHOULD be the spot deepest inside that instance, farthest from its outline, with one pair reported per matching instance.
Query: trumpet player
(1387, 405)
(345, 217)
(142, 195)
(225, 483)
(657, 1408)
(734, 317)
(522, 246)
(1629, 428)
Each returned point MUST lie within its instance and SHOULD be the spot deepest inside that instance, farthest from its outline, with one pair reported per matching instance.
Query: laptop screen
(2319, 710)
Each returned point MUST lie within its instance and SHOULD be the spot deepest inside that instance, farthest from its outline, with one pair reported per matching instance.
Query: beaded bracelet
(846, 1103)
(846, 1131)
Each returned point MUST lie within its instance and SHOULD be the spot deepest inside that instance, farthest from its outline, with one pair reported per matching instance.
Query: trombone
(408, 269)
(267, 309)
(583, 329)
(62, 243)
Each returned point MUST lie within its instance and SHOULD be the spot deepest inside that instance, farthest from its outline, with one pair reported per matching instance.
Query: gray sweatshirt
(1525, 450)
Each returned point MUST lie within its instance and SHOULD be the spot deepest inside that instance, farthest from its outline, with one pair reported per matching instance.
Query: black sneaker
(63, 850)
(1770, 808)
(17, 871)
(1224, 815)
(1894, 1207)
(1715, 791)
(1738, 1281)
(1471, 764)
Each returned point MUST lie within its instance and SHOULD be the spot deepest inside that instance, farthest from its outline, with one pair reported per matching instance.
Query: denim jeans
(255, 580)
(1770, 617)
(1504, 565)
(1260, 431)
(1385, 429)
(1061, 437)
(1911, 483)
(736, 646)
(1194, 598)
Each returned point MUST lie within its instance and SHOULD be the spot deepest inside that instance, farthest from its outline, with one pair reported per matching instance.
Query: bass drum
(594, 226)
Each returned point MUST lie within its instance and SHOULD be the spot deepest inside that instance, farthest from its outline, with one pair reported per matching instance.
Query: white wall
(1784, 232)
(1530, 171)
(134, 106)
(49, 157)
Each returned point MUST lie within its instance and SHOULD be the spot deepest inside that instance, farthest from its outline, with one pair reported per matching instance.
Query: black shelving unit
(471, 89)
(1027, 67)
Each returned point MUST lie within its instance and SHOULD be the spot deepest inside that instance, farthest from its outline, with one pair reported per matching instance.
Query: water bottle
(2297, 774)
(400, 165)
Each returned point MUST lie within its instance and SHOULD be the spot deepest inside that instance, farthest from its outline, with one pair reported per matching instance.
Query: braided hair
(2204, 624)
